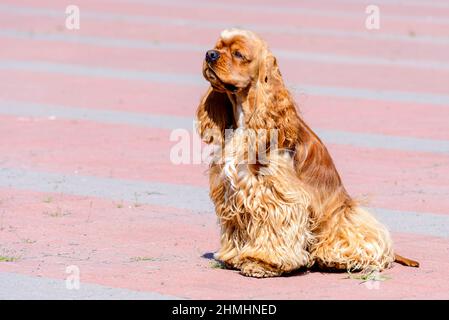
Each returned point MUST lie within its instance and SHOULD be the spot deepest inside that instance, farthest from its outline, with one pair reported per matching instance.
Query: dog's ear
(269, 80)
(269, 74)
(276, 107)
(214, 115)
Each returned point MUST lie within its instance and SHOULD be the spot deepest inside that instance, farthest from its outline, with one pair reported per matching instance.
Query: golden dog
(286, 209)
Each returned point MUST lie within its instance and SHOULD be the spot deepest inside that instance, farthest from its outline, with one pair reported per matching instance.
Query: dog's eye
(237, 54)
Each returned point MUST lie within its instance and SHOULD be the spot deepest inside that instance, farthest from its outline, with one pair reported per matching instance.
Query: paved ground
(86, 115)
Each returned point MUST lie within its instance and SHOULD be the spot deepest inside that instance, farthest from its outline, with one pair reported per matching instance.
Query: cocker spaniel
(279, 199)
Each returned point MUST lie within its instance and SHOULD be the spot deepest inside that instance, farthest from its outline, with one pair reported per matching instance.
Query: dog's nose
(212, 55)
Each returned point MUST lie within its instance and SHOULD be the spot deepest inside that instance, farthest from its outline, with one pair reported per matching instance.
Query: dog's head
(239, 60)
(242, 68)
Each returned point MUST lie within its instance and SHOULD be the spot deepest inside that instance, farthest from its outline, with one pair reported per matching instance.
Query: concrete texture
(86, 116)
(22, 287)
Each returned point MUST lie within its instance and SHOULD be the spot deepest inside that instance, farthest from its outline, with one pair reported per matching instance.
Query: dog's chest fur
(246, 166)
(246, 193)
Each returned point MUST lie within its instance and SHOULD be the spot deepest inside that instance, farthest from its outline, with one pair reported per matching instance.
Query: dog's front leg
(231, 240)
(264, 218)
(278, 244)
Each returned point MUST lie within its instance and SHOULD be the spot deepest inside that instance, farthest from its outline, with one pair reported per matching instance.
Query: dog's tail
(405, 261)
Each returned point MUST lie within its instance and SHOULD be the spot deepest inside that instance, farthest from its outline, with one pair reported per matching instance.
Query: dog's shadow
(208, 256)
(299, 272)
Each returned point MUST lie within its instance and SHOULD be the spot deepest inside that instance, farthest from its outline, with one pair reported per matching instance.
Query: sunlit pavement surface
(87, 187)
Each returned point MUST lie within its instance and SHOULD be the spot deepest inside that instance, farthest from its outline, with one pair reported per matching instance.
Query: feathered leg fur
(263, 215)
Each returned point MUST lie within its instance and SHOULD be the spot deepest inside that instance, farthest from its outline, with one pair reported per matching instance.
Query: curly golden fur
(288, 209)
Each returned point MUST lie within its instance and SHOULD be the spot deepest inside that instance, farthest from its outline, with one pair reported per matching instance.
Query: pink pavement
(166, 249)
(355, 115)
(127, 152)
(172, 61)
(299, 19)
(147, 248)
(160, 32)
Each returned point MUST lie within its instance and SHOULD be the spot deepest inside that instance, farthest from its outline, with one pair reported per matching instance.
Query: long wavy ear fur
(268, 70)
(214, 115)
(275, 104)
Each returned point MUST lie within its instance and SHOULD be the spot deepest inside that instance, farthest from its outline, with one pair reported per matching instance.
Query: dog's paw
(258, 270)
